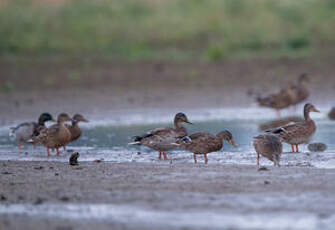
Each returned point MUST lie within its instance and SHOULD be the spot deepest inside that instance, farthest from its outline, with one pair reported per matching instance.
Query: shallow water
(107, 139)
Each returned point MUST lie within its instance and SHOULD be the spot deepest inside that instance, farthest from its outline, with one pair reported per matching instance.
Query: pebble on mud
(263, 168)
(74, 159)
(317, 147)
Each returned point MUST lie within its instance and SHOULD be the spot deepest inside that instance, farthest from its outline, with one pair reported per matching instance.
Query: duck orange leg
(57, 152)
(206, 158)
(165, 157)
(160, 155)
(19, 144)
(48, 151)
(195, 158)
(258, 160)
(297, 148)
(292, 146)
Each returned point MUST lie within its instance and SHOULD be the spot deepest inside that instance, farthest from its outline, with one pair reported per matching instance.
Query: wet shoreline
(106, 193)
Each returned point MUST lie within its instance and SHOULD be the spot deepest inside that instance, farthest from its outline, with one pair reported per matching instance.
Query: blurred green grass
(166, 29)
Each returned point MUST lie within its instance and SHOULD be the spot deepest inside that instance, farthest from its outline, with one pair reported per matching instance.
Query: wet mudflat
(164, 195)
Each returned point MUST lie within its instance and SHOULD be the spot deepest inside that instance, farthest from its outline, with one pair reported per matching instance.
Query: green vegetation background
(166, 29)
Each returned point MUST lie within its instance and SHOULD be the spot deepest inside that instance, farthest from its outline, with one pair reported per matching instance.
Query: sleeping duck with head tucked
(161, 139)
(25, 131)
(55, 136)
(204, 143)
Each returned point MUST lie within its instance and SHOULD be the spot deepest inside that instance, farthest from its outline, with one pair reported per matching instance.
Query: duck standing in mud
(25, 131)
(299, 132)
(55, 136)
(269, 146)
(204, 143)
(161, 139)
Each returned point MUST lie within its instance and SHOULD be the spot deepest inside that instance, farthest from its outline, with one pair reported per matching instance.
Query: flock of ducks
(268, 144)
(53, 137)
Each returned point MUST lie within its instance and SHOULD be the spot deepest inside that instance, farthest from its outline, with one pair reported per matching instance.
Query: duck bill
(176, 144)
(188, 122)
(231, 141)
(85, 120)
(315, 110)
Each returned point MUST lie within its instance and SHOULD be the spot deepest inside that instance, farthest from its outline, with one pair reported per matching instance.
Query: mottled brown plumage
(56, 135)
(299, 132)
(269, 146)
(161, 139)
(204, 143)
(278, 101)
(74, 128)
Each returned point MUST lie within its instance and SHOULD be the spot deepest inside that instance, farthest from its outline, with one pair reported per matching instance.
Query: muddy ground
(163, 188)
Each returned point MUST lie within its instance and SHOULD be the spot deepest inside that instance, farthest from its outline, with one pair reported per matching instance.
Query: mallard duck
(55, 136)
(300, 90)
(161, 139)
(269, 146)
(204, 143)
(278, 101)
(25, 131)
(299, 132)
(74, 128)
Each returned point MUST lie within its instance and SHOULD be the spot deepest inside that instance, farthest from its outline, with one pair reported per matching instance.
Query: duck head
(309, 108)
(78, 118)
(63, 117)
(44, 117)
(181, 117)
(227, 136)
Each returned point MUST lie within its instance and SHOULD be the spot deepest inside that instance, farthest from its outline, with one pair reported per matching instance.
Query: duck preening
(299, 132)
(269, 146)
(25, 131)
(161, 139)
(55, 136)
(204, 143)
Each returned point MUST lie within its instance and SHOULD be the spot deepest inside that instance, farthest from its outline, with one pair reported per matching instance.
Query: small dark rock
(3, 198)
(6, 173)
(39, 168)
(70, 150)
(39, 201)
(139, 153)
(56, 174)
(51, 167)
(263, 168)
(98, 160)
(20, 198)
(64, 198)
(266, 182)
(74, 159)
(317, 147)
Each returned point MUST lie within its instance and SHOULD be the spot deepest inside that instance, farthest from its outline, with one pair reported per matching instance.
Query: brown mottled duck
(161, 139)
(299, 132)
(55, 136)
(269, 146)
(204, 143)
